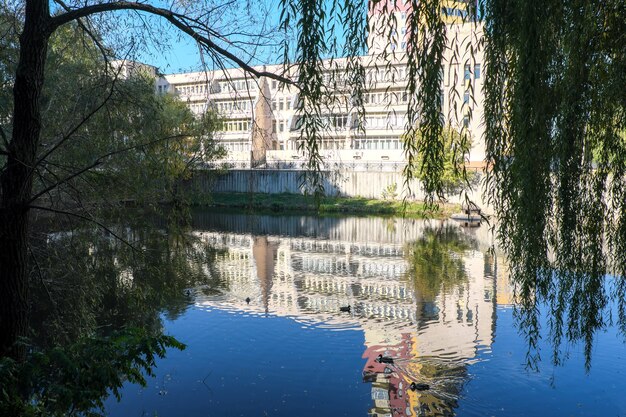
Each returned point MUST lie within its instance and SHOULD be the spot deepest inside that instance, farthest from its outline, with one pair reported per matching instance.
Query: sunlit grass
(277, 203)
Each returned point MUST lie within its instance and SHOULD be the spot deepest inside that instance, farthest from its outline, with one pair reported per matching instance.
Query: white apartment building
(250, 106)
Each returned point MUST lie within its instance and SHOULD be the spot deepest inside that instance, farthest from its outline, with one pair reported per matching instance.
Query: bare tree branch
(86, 28)
(178, 20)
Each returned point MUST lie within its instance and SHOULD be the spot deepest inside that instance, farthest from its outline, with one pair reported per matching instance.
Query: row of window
(237, 105)
(192, 89)
(453, 12)
(337, 121)
(237, 85)
(236, 126)
(236, 146)
(377, 143)
(384, 74)
(386, 98)
(225, 86)
(373, 76)
(384, 121)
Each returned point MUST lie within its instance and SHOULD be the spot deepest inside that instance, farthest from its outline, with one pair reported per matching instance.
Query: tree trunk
(16, 179)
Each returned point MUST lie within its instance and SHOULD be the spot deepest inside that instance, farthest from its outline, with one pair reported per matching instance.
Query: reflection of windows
(379, 393)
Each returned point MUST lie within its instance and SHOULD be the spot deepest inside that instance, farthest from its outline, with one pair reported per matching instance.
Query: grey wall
(344, 183)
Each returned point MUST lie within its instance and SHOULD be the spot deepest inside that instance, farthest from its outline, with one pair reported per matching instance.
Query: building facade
(259, 115)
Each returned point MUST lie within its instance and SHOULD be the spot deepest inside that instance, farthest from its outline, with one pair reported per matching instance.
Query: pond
(266, 334)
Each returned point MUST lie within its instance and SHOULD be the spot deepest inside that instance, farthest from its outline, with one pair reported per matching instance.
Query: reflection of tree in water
(436, 268)
(97, 305)
(570, 285)
(435, 261)
(95, 281)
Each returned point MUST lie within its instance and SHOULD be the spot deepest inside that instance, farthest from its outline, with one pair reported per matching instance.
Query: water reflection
(87, 281)
(429, 303)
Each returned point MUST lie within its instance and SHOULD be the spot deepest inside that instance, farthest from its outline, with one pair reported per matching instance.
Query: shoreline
(293, 203)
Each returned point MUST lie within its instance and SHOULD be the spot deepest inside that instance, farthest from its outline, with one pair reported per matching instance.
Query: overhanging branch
(176, 19)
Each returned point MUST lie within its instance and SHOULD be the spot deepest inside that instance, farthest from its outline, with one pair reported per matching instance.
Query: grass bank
(278, 203)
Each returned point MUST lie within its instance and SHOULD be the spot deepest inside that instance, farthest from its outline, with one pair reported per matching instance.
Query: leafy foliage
(74, 380)
(97, 306)
(127, 141)
(84, 280)
(456, 147)
(436, 263)
(554, 98)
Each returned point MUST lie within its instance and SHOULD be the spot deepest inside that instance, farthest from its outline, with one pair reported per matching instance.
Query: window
(466, 97)
(281, 105)
(467, 72)
(273, 126)
(477, 71)
(466, 122)
(274, 104)
(274, 84)
(403, 45)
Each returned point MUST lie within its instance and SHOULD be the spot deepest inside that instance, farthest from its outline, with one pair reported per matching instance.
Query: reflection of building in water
(432, 335)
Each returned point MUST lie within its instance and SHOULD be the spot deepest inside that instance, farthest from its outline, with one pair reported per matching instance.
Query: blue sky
(183, 55)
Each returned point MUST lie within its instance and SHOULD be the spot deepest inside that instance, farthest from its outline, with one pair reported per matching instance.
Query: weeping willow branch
(554, 119)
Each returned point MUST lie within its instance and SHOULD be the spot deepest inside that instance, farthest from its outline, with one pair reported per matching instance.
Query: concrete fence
(372, 184)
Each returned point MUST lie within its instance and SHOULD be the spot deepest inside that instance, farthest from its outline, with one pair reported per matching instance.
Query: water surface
(267, 337)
